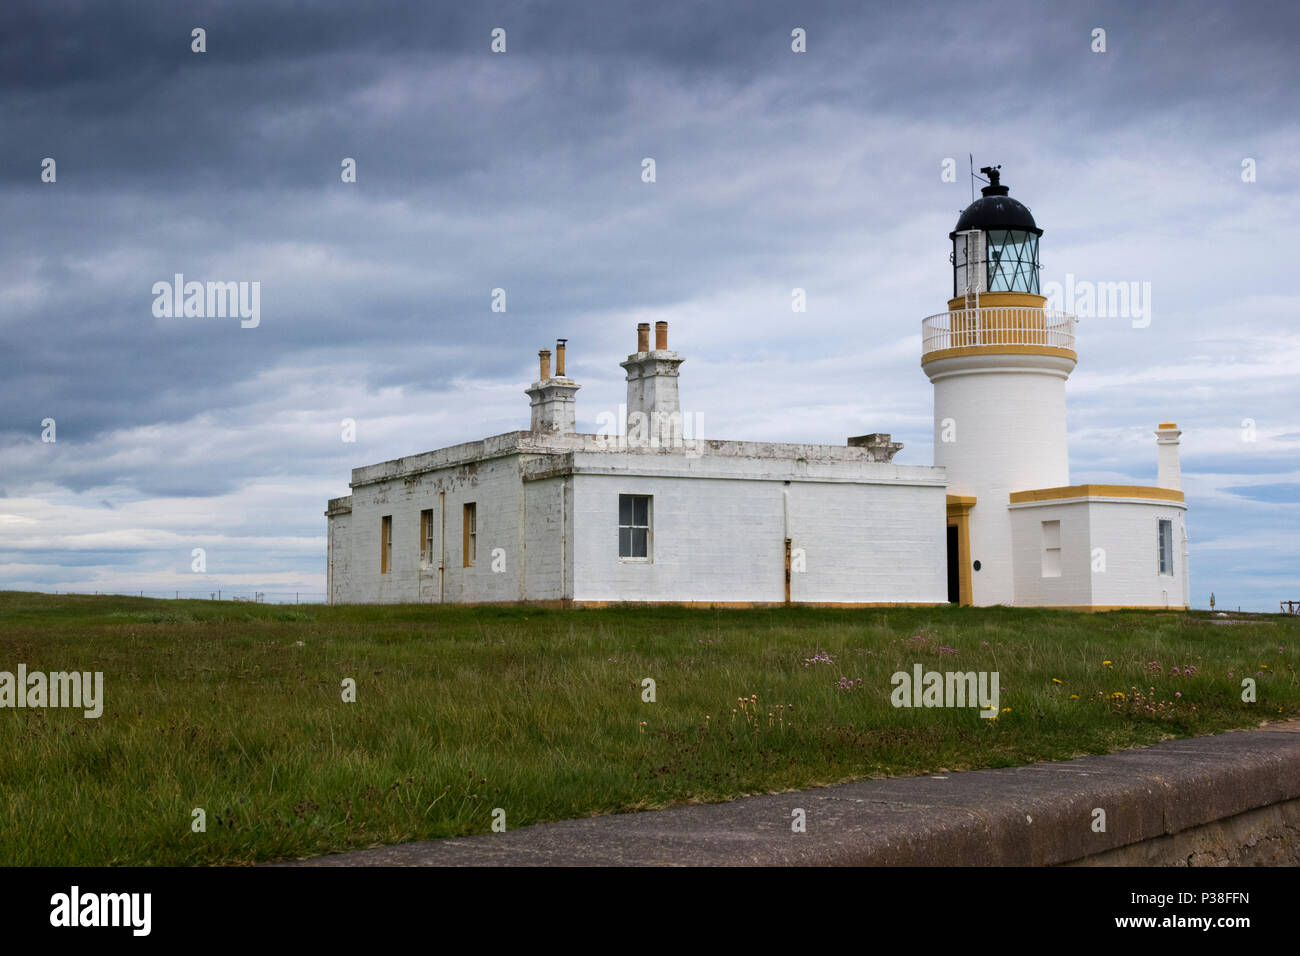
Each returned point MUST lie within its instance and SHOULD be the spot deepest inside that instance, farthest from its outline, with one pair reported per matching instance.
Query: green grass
(462, 710)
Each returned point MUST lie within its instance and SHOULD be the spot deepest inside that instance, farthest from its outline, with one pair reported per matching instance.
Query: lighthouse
(1018, 532)
(998, 361)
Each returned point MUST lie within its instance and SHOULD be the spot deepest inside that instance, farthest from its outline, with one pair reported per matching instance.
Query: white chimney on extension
(1169, 473)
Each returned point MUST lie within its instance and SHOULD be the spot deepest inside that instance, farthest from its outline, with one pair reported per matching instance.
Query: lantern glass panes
(1012, 261)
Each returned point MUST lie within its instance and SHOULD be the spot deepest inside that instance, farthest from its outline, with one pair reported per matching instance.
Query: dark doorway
(954, 578)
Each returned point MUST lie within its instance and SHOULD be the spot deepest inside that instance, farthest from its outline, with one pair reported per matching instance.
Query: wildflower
(1074, 697)
(1055, 680)
(1178, 693)
(1006, 710)
(1118, 695)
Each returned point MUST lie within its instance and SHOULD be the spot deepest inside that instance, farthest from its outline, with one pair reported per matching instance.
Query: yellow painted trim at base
(999, 350)
(746, 605)
(559, 605)
(1001, 300)
(1101, 608)
(1097, 491)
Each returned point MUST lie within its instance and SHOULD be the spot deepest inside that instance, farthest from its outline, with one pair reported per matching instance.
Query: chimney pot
(643, 337)
(559, 357)
(661, 336)
(544, 355)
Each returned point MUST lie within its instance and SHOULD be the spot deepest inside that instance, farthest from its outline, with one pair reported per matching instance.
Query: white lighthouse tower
(1018, 532)
(998, 361)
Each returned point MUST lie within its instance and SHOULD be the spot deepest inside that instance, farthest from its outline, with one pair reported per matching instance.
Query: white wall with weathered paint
(1109, 553)
(1126, 529)
(871, 532)
(719, 533)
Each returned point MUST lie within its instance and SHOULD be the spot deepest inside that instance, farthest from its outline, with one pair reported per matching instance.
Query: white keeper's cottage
(653, 515)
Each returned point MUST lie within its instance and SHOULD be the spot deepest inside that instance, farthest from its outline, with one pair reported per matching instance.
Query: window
(1051, 549)
(385, 544)
(1166, 546)
(1012, 261)
(634, 527)
(426, 538)
(469, 528)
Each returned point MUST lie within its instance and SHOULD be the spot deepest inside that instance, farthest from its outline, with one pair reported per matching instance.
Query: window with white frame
(1165, 534)
(634, 527)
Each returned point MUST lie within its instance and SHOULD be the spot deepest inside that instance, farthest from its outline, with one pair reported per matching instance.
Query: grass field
(237, 709)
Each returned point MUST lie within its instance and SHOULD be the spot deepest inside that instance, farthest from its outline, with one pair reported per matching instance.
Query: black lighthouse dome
(995, 210)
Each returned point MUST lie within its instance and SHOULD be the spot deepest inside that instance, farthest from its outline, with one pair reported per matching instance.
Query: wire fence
(252, 595)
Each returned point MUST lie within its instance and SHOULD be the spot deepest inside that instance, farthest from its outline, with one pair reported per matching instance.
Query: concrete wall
(723, 539)
(1125, 530)
(339, 557)
(1074, 586)
(548, 509)
(494, 487)
(870, 531)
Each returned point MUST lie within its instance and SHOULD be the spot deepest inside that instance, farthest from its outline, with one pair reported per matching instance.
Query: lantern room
(995, 244)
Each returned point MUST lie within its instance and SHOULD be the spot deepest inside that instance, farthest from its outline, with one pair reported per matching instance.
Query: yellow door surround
(959, 507)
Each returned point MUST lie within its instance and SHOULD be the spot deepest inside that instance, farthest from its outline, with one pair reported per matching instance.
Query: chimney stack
(654, 416)
(1169, 473)
(552, 397)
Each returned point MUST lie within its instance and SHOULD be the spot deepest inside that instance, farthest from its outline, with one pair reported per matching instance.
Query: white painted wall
(723, 539)
(339, 566)
(1074, 586)
(493, 485)
(1006, 416)
(1125, 530)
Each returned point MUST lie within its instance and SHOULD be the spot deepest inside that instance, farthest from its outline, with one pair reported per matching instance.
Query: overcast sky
(522, 170)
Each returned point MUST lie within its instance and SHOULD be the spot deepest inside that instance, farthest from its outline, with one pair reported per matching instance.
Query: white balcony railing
(998, 325)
